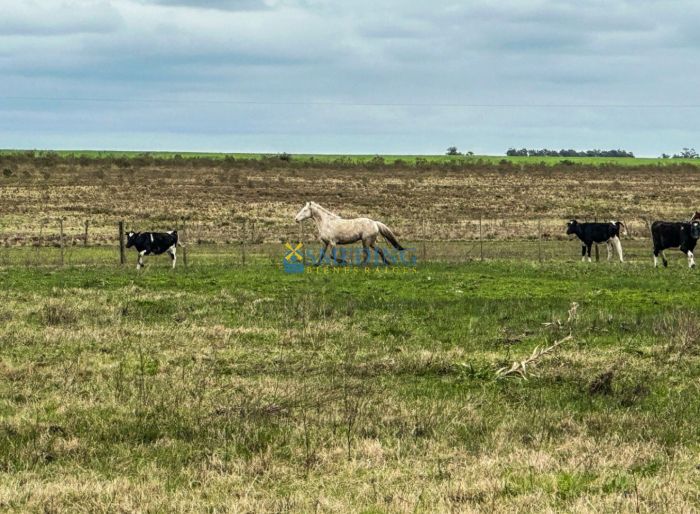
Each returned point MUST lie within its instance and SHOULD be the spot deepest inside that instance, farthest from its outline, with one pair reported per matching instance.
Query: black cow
(153, 243)
(589, 233)
(675, 234)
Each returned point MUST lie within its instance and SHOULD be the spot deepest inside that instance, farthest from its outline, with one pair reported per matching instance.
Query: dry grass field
(227, 200)
(235, 387)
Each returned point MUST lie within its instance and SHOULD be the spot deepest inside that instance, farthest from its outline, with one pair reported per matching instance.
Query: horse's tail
(389, 235)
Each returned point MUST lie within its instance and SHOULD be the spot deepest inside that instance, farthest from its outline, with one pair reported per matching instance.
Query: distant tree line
(452, 150)
(687, 153)
(525, 152)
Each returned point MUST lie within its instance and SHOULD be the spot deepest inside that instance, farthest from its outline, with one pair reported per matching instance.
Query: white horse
(334, 230)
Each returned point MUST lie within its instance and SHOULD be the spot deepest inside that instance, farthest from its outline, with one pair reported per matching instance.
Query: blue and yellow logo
(293, 261)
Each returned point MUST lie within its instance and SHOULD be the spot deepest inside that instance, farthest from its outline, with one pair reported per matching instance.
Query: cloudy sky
(349, 76)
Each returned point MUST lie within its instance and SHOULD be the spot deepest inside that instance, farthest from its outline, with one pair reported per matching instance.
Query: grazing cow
(153, 243)
(589, 233)
(675, 234)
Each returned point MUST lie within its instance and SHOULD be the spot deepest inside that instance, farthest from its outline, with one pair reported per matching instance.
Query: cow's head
(621, 228)
(304, 213)
(695, 229)
(571, 227)
(131, 239)
(695, 216)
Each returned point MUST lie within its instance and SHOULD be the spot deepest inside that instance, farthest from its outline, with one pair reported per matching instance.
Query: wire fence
(77, 242)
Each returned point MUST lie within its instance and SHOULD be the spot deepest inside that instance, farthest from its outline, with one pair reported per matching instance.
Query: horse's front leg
(323, 253)
(337, 259)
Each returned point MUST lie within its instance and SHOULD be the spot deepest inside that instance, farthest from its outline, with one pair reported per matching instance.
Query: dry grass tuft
(57, 313)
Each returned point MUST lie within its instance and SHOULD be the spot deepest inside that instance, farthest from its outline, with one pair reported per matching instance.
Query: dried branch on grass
(572, 315)
(520, 367)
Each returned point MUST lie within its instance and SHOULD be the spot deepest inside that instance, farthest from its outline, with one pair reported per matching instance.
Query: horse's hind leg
(381, 254)
(365, 249)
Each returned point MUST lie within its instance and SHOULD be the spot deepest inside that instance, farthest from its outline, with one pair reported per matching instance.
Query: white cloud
(45, 17)
(185, 54)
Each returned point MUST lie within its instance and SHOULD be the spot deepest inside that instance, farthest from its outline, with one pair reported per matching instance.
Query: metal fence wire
(78, 241)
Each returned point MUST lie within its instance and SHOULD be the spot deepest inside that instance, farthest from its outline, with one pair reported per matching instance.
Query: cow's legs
(691, 259)
(583, 253)
(139, 262)
(618, 248)
(173, 255)
(608, 247)
(658, 251)
(588, 251)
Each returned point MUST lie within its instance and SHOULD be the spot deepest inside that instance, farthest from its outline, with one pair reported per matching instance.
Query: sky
(350, 76)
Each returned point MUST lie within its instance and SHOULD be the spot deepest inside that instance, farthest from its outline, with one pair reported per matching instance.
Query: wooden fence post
(61, 242)
(464, 241)
(122, 249)
(182, 238)
(87, 223)
(539, 239)
(41, 240)
(597, 253)
(243, 242)
(481, 241)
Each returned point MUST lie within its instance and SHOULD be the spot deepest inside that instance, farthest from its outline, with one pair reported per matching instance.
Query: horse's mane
(321, 208)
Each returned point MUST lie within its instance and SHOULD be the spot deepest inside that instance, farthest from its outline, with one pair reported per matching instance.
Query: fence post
(425, 234)
(464, 241)
(539, 239)
(182, 241)
(122, 249)
(41, 240)
(87, 223)
(597, 254)
(481, 241)
(245, 223)
(61, 242)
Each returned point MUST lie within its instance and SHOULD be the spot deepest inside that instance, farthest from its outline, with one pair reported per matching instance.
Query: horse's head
(304, 213)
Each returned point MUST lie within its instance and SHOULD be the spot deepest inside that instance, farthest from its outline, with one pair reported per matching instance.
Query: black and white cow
(153, 243)
(589, 233)
(675, 234)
